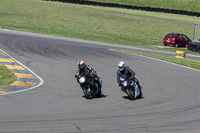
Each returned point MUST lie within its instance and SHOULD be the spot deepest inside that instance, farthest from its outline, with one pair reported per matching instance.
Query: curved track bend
(171, 102)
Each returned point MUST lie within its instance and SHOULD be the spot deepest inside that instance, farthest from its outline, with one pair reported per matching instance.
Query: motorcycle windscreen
(123, 77)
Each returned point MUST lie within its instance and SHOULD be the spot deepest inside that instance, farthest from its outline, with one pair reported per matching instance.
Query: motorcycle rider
(82, 67)
(125, 70)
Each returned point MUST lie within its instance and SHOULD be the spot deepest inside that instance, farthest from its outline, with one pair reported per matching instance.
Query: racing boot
(140, 87)
(99, 82)
(137, 82)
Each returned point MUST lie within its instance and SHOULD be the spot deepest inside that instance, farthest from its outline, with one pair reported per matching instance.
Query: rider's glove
(131, 78)
(94, 72)
(135, 80)
(91, 73)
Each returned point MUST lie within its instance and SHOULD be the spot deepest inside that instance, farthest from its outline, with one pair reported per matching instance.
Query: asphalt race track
(171, 93)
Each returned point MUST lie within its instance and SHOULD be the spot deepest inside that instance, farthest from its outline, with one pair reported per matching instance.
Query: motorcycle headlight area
(124, 83)
(82, 80)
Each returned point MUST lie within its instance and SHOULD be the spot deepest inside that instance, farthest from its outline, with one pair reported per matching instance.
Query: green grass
(181, 61)
(6, 76)
(69, 21)
(187, 5)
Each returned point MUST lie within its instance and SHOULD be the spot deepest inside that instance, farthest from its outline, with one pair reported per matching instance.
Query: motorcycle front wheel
(131, 93)
(87, 93)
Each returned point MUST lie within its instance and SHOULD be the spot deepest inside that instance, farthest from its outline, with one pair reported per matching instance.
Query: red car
(176, 39)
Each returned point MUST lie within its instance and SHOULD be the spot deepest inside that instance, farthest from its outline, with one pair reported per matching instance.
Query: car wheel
(176, 45)
(165, 44)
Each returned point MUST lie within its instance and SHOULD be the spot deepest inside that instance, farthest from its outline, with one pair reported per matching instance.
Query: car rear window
(170, 36)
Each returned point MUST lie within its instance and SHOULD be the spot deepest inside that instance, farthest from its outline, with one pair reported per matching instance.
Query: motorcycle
(89, 86)
(130, 87)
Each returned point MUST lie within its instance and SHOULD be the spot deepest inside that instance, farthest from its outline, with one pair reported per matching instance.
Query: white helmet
(81, 64)
(121, 65)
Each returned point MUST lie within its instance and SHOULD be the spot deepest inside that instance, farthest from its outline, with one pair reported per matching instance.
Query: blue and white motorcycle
(130, 87)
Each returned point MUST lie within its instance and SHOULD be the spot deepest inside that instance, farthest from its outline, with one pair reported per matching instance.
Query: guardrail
(85, 2)
(194, 46)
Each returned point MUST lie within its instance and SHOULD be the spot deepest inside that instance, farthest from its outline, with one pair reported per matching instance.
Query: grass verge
(181, 61)
(70, 20)
(6, 76)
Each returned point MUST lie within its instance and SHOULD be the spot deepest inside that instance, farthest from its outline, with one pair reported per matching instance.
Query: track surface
(171, 102)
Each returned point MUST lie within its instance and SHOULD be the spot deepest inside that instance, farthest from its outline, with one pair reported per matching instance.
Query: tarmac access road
(170, 102)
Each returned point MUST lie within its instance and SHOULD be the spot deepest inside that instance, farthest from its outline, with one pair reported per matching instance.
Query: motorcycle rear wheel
(99, 94)
(140, 96)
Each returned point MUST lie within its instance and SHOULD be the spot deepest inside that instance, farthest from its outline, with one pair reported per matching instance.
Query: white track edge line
(39, 84)
(159, 60)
